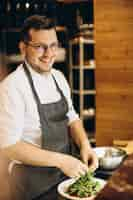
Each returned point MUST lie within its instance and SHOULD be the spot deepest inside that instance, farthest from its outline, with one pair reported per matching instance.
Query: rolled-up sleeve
(11, 114)
(72, 115)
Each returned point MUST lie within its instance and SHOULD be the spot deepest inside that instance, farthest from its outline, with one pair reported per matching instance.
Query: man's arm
(77, 130)
(79, 135)
(29, 154)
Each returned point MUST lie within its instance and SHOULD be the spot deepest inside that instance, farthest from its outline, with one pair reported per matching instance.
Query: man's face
(41, 50)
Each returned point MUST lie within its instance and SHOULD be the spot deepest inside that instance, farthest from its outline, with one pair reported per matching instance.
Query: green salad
(85, 186)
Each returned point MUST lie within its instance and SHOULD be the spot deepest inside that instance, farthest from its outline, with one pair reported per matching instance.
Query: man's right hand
(72, 166)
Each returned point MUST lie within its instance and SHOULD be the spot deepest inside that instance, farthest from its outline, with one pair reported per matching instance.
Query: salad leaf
(85, 186)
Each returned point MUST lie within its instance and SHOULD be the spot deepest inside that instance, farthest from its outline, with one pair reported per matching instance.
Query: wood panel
(106, 137)
(114, 70)
(114, 64)
(125, 74)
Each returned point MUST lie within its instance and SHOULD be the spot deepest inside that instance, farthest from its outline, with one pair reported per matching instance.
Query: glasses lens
(54, 46)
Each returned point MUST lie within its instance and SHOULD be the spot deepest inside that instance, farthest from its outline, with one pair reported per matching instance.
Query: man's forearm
(78, 133)
(31, 155)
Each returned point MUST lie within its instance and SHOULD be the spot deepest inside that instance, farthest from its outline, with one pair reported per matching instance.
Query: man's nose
(47, 50)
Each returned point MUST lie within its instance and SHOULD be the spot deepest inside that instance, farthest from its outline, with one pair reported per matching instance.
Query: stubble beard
(41, 70)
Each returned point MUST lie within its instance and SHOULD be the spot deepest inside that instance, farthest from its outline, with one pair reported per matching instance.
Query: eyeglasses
(41, 48)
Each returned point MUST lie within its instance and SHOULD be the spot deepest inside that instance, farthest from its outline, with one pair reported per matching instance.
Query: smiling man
(34, 49)
(35, 113)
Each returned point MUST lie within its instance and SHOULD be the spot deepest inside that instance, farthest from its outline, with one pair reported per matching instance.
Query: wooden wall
(114, 70)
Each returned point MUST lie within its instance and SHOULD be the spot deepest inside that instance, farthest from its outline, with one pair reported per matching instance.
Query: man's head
(39, 42)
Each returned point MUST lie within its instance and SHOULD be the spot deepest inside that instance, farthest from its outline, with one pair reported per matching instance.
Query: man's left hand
(89, 157)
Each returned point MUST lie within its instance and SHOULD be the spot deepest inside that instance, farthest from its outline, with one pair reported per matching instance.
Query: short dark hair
(36, 22)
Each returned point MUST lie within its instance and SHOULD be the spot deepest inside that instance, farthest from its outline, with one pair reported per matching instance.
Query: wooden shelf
(81, 40)
(84, 92)
(88, 113)
(14, 58)
(61, 28)
(84, 67)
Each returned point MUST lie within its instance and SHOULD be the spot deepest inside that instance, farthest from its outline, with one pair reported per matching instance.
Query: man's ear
(22, 48)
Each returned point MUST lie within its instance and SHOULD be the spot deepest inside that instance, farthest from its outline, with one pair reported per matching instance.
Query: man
(35, 113)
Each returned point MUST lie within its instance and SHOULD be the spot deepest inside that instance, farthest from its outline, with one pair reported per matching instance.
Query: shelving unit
(82, 79)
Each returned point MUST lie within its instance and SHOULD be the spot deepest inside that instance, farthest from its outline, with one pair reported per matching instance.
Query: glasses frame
(42, 48)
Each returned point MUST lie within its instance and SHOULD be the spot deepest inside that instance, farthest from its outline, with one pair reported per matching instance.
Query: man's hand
(72, 167)
(79, 136)
(89, 157)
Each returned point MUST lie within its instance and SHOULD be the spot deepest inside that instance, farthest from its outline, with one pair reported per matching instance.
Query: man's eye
(54, 46)
(38, 47)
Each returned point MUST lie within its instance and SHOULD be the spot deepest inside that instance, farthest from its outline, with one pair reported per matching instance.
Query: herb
(85, 186)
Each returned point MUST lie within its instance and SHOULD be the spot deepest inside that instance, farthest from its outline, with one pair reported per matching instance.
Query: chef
(36, 113)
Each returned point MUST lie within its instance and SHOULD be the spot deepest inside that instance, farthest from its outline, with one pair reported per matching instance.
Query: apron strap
(57, 85)
(31, 84)
(28, 74)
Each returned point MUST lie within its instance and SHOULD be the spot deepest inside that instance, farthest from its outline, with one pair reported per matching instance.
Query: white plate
(62, 188)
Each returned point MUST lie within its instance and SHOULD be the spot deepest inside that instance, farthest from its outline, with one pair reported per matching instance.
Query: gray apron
(55, 137)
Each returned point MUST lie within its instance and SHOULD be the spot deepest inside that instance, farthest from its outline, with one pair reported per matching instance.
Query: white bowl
(63, 186)
(112, 161)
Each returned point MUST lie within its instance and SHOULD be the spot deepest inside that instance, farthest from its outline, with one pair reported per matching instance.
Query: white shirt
(19, 119)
